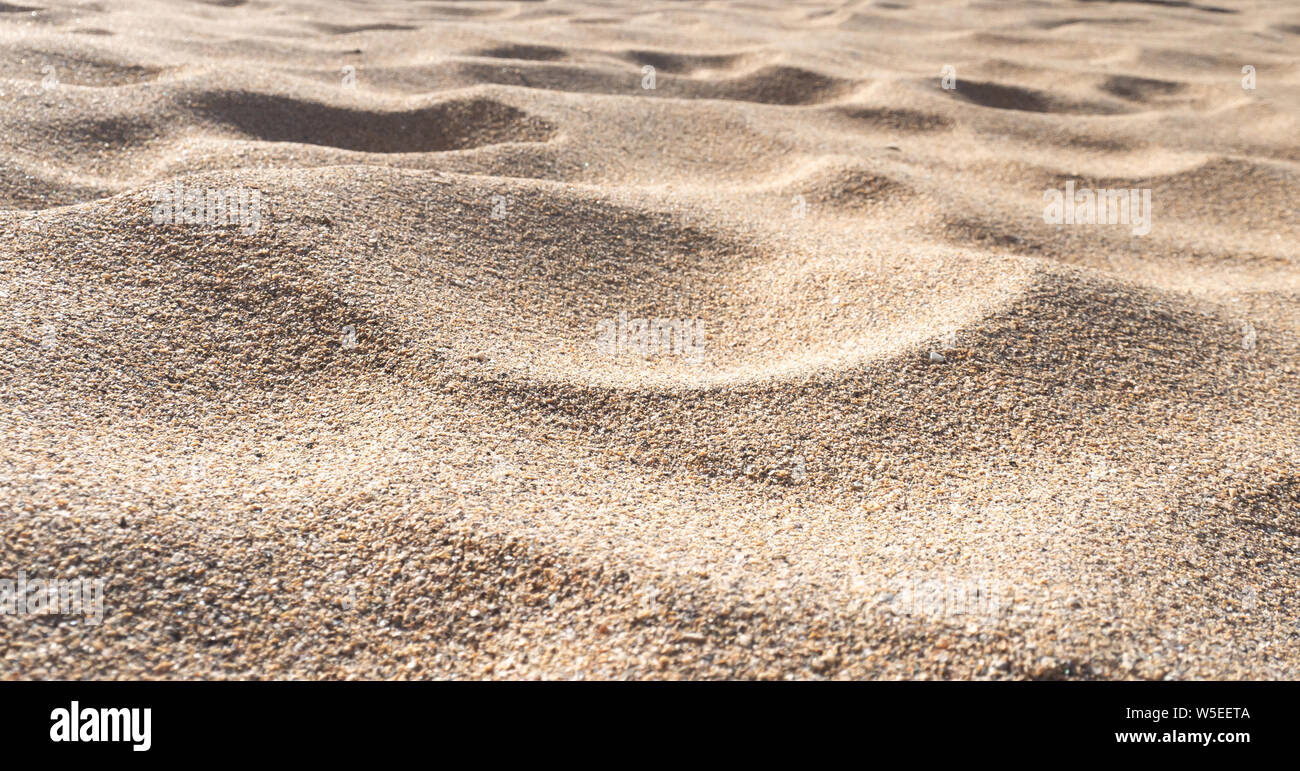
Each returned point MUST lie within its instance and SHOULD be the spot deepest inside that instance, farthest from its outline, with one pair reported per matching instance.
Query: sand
(397, 421)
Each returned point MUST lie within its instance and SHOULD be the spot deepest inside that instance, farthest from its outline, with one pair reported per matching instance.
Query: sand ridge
(361, 425)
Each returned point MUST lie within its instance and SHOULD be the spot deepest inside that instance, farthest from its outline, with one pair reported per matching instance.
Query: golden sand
(496, 361)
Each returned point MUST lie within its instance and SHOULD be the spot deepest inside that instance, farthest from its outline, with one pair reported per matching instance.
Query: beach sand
(401, 418)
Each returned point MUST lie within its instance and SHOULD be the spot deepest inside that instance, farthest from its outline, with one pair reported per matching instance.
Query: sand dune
(680, 340)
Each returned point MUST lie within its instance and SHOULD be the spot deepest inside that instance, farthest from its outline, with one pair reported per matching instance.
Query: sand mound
(453, 125)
